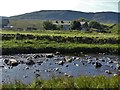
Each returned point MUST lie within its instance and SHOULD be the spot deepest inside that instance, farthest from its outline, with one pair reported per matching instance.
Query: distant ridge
(106, 17)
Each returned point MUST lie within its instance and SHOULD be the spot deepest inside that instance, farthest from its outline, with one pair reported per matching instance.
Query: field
(58, 40)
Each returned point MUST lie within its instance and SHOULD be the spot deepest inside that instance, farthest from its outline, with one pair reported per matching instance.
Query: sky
(17, 7)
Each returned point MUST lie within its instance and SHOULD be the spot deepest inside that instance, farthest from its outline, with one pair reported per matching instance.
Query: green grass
(71, 83)
(60, 40)
(64, 33)
(45, 43)
(42, 46)
(27, 23)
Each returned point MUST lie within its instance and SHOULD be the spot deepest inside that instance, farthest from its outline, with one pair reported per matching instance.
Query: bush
(94, 24)
(49, 25)
(76, 25)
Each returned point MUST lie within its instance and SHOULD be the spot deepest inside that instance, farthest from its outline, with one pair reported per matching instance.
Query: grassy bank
(70, 83)
(65, 33)
(44, 46)
(43, 41)
(13, 47)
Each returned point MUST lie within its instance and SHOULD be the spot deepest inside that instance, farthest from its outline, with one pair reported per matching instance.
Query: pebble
(107, 71)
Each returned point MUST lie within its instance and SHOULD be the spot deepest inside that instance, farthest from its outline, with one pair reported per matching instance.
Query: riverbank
(84, 82)
(66, 42)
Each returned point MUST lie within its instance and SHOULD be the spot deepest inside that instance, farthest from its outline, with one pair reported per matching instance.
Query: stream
(45, 66)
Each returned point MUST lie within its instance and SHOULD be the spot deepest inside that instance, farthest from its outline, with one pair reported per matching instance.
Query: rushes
(71, 83)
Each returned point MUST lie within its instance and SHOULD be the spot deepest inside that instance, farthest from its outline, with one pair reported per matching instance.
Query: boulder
(68, 59)
(118, 66)
(68, 75)
(11, 62)
(30, 62)
(60, 63)
(110, 61)
(97, 65)
(36, 56)
(107, 71)
(57, 53)
(116, 74)
(49, 55)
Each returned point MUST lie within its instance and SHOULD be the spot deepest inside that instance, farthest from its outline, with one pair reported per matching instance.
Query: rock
(116, 74)
(77, 65)
(49, 55)
(1, 66)
(39, 62)
(111, 66)
(36, 56)
(57, 53)
(116, 62)
(30, 62)
(108, 58)
(89, 61)
(68, 59)
(11, 62)
(25, 76)
(102, 60)
(65, 74)
(37, 70)
(118, 66)
(37, 75)
(107, 71)
(46, 70)
(26, 68)
(77, 58)
(83, 63)
(110, 61)
(66, 65)
(56, 69)
(97, 65)
(60, 63)
(6, 60)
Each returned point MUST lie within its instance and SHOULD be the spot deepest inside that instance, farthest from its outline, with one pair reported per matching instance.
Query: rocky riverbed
(28, 67)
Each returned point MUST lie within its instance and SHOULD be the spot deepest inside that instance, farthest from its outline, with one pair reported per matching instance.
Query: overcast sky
(16, 7)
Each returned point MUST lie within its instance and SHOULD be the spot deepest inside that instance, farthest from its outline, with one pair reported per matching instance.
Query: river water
(46, 68)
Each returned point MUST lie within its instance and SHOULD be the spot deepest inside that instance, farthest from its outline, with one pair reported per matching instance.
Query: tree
(94, 24)
(49, 25)
(76, 25)
(82, 19)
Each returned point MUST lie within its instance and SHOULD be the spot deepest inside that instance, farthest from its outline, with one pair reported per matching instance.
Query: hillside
(105, 17)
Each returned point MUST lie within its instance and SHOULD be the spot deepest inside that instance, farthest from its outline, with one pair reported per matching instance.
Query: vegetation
(85, 82)
(58, 40)
(76, 25)
(94, 24)
(115, 29)
(24, 24)
(49, 25)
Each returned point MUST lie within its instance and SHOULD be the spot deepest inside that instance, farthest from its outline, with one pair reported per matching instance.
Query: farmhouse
(84, 26)
(65, 25)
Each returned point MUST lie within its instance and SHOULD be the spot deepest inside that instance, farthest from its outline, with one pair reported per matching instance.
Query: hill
(105, 17)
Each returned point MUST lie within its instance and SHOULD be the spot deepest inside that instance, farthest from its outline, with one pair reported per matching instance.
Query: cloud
(15, 7)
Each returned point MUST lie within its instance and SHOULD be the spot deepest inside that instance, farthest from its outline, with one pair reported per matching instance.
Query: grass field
(27, 23)
(59, 40)
(84, 82)
(65, 33)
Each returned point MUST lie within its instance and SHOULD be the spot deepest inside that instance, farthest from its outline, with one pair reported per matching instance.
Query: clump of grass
(43, 46)
(86, 82)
